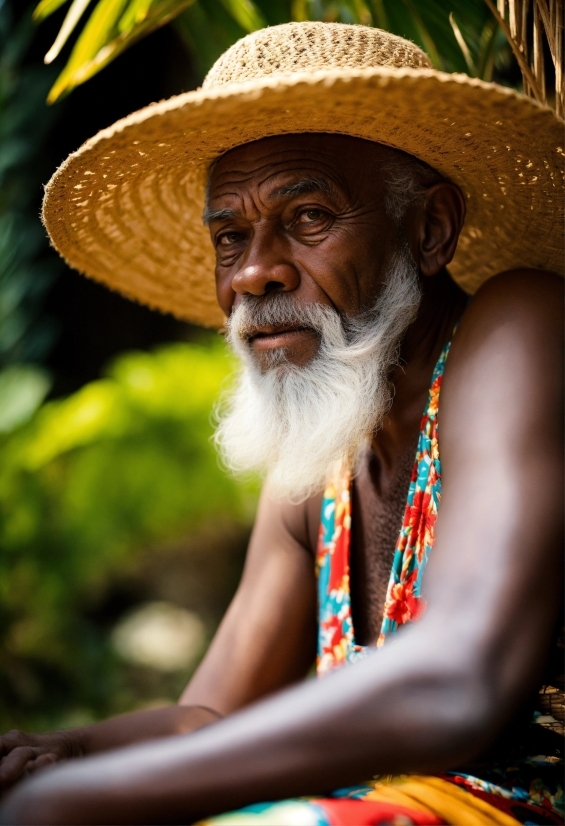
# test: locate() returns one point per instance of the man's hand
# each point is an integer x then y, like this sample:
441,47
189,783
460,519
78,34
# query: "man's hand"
22,753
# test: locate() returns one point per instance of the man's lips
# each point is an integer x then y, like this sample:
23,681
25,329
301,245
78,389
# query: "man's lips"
268,338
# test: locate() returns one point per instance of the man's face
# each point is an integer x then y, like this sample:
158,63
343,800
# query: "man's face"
301,214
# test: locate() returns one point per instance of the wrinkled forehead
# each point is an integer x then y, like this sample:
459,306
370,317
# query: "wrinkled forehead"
343,159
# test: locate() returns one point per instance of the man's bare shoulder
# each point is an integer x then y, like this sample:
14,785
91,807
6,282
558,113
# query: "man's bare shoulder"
283,523
519,300
504,372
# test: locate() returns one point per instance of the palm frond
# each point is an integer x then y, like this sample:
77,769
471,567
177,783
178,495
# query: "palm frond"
546,23
380,17
461,35
463,46
114,25
425,35
47,7
78,7
207,30
135,14
245,13
487,49
96,35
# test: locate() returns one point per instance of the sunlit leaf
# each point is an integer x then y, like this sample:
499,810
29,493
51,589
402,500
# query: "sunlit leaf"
363,13
463,46
300,10
135,13
207,30
96,33
47,7
100,41
23,388
485,58
380,17
425,35
209,27
246,13
77,9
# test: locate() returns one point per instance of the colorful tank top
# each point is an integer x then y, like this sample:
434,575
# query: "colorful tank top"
336,638
524,786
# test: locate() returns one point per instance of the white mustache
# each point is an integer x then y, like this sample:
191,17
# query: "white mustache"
254,314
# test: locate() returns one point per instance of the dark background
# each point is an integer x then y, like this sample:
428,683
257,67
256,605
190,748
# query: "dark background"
89,323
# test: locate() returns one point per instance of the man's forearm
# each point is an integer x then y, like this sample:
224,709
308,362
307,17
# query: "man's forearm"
138,726
306,740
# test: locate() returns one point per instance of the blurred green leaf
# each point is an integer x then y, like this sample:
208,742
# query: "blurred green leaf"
463,46
425,36
23,388
25,273
207,30
488,49
47,7
135,13
96,34
246,13
101,41
88,485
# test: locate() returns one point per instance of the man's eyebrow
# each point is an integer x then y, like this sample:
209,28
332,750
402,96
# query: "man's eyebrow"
303,187
210,215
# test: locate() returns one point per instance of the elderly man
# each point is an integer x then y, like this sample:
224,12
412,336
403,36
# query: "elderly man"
331,245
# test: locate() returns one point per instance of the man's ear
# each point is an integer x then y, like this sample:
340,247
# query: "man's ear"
439,222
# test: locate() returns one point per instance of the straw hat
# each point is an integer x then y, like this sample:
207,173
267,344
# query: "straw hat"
125,209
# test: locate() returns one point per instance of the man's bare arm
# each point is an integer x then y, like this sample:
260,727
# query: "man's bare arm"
266,641
443,688
499,539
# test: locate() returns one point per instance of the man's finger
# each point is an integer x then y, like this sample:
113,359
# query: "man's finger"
13,765
13,739
40,762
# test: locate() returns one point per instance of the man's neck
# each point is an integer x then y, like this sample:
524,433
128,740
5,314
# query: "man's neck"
442,304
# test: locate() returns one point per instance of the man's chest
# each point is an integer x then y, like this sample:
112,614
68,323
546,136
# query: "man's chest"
377,510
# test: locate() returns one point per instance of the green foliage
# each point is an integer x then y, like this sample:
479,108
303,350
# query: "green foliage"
123,464
207,29
460,35
24,123
22,389
114,25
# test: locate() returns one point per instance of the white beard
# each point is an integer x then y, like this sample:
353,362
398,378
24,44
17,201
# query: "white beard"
293,422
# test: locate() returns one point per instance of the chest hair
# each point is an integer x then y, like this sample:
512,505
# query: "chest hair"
377,513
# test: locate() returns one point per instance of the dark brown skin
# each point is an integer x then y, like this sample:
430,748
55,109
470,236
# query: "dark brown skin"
442,690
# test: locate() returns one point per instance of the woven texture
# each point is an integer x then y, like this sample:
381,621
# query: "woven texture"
126,208
312,47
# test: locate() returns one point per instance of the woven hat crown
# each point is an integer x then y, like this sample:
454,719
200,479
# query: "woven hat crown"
308,47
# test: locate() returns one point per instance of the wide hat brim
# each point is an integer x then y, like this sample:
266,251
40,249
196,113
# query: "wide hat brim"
126,208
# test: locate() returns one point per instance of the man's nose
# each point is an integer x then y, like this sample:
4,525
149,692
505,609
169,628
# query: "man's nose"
265,267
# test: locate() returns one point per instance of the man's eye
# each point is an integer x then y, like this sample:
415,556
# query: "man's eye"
228,239
309,216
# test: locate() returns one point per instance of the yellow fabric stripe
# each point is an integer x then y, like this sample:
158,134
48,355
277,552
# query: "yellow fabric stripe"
390,793
442,798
